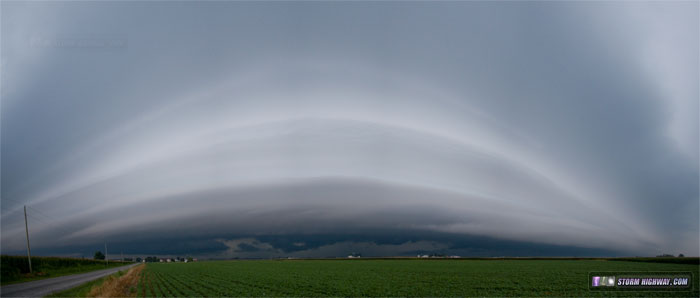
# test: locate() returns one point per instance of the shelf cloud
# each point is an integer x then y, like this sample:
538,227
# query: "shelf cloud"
324,129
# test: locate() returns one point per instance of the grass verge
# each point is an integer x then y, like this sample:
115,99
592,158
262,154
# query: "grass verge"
119,284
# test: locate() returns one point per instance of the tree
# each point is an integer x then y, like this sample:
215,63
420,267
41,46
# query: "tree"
99,255
680,255
138,260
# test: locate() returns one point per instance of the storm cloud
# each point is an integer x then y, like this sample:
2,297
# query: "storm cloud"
321,129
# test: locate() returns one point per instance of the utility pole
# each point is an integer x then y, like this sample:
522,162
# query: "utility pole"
105,253
26,230
122,256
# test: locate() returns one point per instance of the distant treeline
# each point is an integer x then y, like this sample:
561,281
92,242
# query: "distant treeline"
150,259
16,268
157,259
673,260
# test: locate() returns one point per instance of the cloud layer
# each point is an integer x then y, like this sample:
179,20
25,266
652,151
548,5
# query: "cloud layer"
569,125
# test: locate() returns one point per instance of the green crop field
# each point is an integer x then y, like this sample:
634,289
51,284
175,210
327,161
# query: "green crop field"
391,278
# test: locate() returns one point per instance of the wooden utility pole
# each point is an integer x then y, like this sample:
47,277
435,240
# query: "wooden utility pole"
105,253
26,230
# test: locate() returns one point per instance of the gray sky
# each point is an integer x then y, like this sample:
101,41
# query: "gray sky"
318,128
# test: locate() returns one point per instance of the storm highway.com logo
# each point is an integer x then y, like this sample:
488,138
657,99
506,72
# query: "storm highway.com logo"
637,281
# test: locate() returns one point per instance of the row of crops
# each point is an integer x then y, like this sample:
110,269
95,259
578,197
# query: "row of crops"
383,277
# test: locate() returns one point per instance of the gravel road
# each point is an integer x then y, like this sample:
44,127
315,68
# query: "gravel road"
40,288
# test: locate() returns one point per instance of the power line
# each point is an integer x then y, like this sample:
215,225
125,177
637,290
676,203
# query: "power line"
54,225
55,221
19,203
50,221
42,213
32,208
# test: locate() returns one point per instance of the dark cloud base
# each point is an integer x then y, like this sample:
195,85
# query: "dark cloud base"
292,245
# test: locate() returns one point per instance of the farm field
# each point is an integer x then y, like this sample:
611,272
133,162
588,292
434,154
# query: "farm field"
391,278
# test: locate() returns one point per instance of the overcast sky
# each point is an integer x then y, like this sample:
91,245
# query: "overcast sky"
236,129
